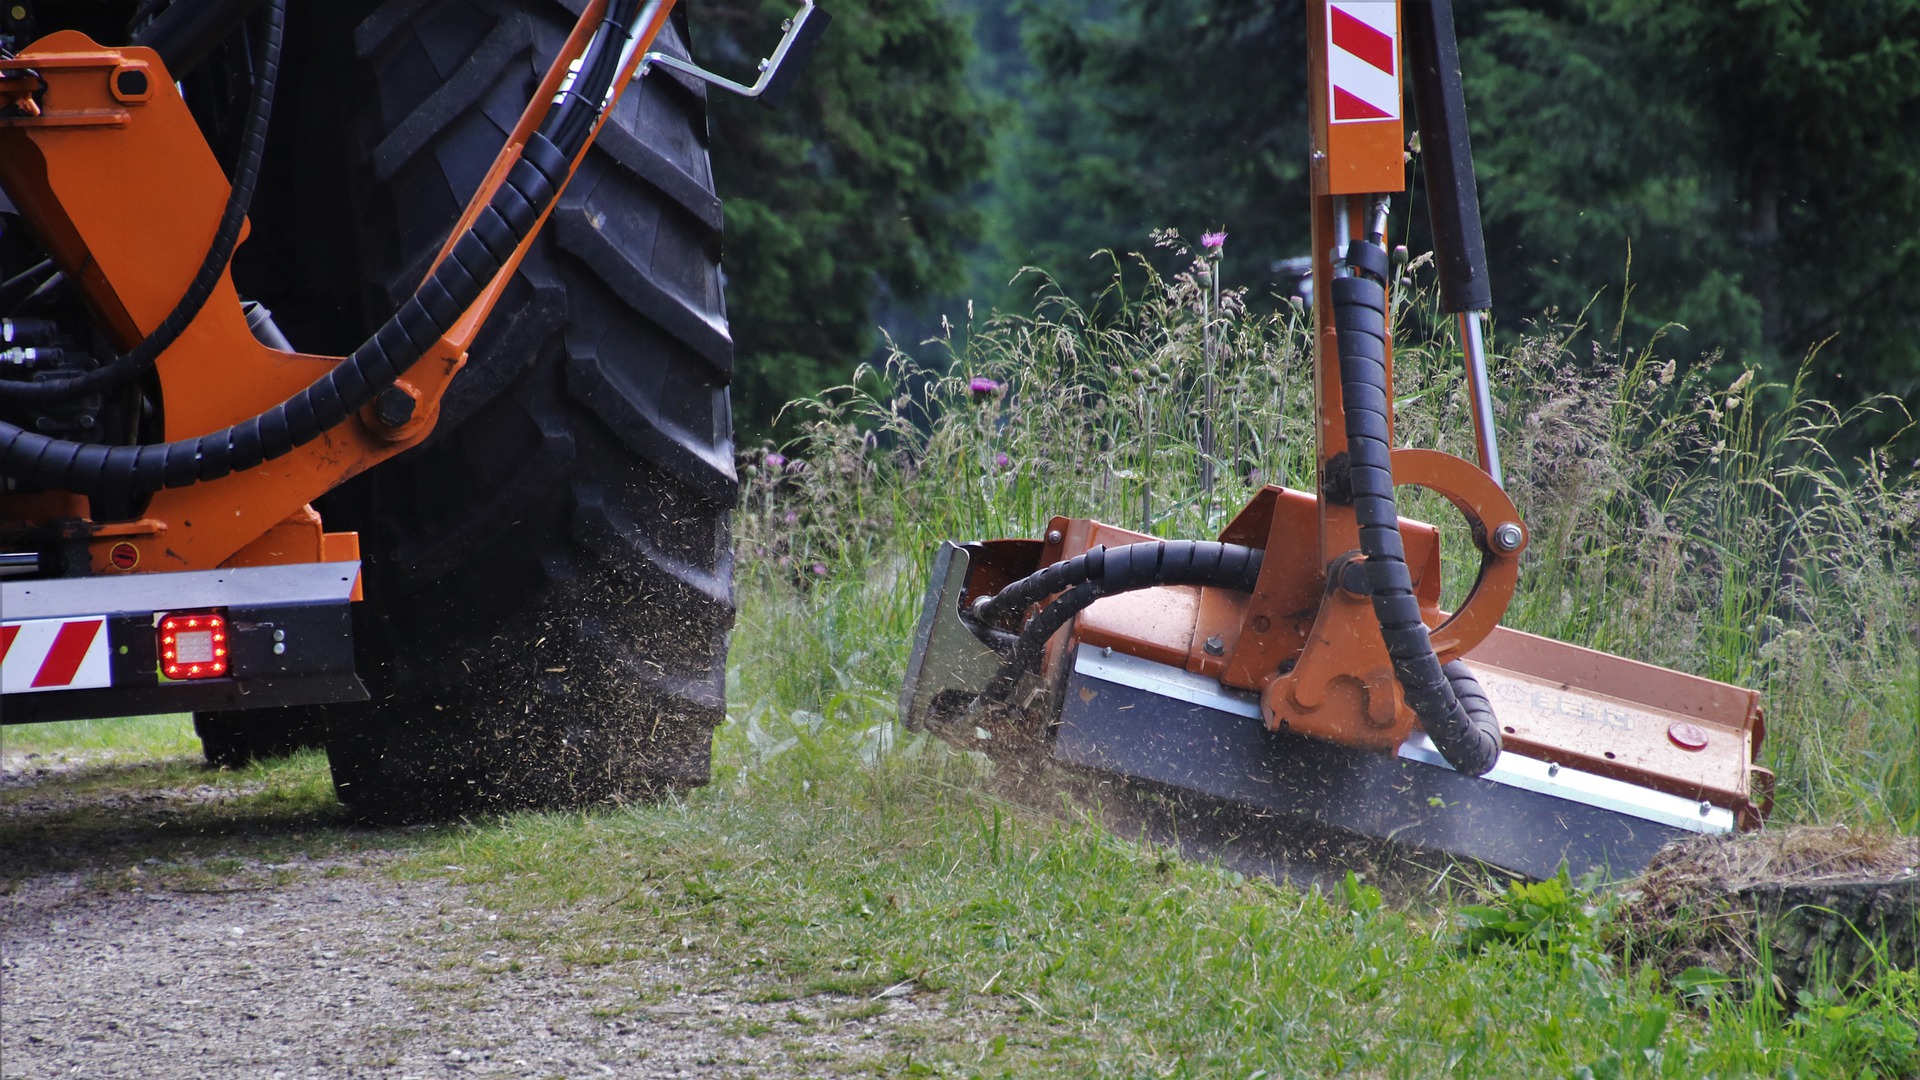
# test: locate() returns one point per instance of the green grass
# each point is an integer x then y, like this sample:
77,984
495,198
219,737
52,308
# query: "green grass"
1056,949
135,736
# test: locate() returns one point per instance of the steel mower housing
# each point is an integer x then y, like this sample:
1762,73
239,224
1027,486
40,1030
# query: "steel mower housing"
1299,670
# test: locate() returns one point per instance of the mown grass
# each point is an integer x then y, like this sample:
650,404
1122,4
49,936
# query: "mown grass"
1057,949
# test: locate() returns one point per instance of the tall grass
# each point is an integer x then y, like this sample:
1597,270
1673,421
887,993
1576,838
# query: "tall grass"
1710,526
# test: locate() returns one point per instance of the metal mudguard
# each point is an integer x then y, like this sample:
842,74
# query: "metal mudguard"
948,664
290,642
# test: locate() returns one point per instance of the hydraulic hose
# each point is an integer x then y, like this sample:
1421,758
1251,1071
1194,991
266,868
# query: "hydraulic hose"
1448,701
246,173
1103,571
530,186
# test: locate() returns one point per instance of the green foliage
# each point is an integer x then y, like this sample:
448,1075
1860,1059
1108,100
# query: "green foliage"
1758,157
1748,170
1144,113
852,190
1548,915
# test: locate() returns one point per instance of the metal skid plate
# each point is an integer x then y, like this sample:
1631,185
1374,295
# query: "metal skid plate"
1145,721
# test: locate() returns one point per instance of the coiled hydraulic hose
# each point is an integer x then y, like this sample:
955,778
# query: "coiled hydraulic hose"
454,285
1103,571
246,172
1448,701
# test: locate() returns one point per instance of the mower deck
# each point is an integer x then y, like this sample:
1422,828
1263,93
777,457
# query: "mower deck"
1148,722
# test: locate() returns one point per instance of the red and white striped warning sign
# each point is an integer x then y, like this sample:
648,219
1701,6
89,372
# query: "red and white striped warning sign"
1363,60
54,654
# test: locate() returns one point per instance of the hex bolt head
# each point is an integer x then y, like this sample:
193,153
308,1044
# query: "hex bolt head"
1053,536
393,407
1507,536
1215,646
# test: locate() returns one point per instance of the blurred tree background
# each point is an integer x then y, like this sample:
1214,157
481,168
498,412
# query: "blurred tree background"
1748,169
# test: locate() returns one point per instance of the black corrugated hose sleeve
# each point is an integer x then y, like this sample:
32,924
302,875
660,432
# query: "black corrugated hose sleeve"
1461,725
351,384
246,172
1110,571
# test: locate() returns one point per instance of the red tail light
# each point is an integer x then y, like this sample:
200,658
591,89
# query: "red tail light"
193,645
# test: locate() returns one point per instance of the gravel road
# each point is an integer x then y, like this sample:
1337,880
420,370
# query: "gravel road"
329,967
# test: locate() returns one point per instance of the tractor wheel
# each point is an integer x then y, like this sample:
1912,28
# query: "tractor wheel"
234,740
549,577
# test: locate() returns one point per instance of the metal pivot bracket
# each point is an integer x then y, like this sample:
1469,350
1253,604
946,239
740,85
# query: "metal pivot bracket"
777,72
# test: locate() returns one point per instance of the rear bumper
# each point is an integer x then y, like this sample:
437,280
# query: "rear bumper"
83,648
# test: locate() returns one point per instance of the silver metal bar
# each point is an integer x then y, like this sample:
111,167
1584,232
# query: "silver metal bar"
1381,204
1342,236
768,67
1473,344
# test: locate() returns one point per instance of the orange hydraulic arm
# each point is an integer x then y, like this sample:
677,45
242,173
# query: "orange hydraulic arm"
99,152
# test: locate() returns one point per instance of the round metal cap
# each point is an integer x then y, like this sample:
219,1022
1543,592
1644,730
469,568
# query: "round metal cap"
1688,736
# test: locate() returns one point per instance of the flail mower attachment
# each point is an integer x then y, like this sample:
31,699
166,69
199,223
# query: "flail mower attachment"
1299,671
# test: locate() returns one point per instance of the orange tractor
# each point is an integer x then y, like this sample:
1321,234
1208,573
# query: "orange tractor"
449,435
1298,675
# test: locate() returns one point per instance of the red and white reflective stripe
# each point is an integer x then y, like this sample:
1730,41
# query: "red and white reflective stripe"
1363,60
54,654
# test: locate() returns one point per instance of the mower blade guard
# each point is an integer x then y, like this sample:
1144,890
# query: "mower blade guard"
949,666
1592,779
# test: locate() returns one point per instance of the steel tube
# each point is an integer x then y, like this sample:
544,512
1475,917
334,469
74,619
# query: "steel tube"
1473,344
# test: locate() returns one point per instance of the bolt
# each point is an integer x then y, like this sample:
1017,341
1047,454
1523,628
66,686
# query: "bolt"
1553,769
393,407
279,635
1053,536
1507,536
1262,624
279,647
1215,646
1108,651
1705,808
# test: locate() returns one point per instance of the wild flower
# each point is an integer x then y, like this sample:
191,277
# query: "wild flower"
1213,242
983,388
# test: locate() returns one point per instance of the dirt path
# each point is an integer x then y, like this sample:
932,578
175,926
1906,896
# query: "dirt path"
330,967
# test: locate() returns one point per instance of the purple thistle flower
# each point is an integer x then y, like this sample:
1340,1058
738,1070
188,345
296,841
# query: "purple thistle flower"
819,569
792,518
982,387
776,461
1213,241
1002,461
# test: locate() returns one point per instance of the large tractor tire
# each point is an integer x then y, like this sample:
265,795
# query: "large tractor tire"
549,577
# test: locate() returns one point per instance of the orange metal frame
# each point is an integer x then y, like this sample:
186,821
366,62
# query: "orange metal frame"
1312,648
124,192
